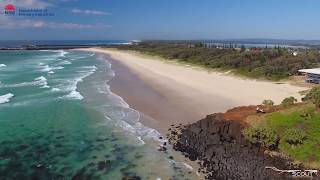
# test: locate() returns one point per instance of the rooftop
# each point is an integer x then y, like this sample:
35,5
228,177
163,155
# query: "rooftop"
310,71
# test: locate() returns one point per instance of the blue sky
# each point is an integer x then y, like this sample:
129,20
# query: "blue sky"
164,19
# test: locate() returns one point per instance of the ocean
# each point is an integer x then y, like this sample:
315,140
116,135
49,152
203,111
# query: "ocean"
59,120
21,43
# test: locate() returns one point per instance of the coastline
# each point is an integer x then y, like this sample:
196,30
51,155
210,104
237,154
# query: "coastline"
152,106
174,94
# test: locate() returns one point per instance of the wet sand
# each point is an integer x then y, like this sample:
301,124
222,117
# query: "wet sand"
157,111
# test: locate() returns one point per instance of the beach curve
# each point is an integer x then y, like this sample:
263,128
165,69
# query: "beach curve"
191,90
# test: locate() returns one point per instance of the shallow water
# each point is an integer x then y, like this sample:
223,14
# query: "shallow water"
58,119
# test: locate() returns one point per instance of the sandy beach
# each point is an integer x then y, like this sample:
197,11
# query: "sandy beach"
170,93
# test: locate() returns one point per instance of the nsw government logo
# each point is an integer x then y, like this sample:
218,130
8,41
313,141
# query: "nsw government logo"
10,10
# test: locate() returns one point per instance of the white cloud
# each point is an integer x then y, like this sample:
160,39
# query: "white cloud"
27,3
89,12
54,25
11,23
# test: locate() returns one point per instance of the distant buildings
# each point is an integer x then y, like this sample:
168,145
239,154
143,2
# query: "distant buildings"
135,42
312,75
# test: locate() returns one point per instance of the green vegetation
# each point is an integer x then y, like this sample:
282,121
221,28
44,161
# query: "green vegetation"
314,96
294,136
263,136
294,131
274,64
289,101
268,102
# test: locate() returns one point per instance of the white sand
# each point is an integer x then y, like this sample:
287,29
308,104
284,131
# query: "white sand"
198,90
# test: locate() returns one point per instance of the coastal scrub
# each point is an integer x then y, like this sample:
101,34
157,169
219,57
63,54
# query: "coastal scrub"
297,132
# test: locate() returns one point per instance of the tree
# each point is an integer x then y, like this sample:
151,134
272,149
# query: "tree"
314,96
199,45
268,102
288,101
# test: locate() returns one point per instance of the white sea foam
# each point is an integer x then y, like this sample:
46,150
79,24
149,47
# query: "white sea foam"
63,53
3,65
133,126
16,85
72,87
119,100
140,139
74,95
6,98
42,81
47,68
65,63
55,89
57,68
82,56
41,78
129,119
39,81
51,72
102,89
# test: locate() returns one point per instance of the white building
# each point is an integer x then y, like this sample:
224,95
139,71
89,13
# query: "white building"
312,75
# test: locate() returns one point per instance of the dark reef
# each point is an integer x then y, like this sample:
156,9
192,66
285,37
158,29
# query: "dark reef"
224,153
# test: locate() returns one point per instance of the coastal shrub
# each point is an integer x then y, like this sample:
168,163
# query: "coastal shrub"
289,101
297,128
268,102
307,114
314,96
294,136
263,136
275,64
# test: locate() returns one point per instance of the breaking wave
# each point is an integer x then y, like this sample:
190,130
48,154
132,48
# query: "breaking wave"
127,118
42,81
72,87
39,81
65,63
6,98
47,68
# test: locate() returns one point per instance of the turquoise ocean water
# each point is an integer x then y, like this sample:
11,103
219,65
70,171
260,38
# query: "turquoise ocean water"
59,120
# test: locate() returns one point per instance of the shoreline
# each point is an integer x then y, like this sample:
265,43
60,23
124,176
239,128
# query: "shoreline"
169,94
131,88
124,76
165,103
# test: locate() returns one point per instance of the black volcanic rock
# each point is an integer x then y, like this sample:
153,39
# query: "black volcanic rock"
224,151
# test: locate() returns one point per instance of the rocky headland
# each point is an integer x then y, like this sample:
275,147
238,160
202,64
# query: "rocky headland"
223,152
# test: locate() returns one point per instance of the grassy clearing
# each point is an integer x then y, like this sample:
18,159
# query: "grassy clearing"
297,129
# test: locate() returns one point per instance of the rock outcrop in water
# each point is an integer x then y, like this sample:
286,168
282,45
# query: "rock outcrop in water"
224,153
